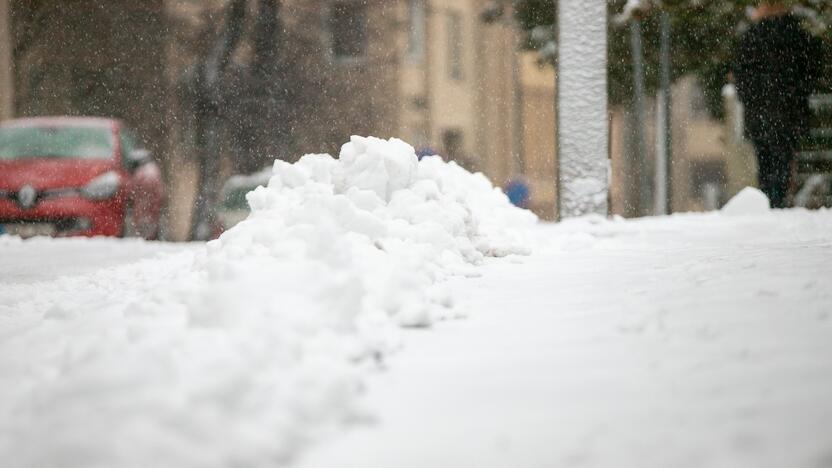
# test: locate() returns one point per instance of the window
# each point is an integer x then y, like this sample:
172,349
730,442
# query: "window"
55,142
416,29
128,143
236,199
454,32
348,29
452,143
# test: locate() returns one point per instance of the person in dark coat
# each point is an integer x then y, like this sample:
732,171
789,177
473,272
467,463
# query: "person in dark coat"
776,67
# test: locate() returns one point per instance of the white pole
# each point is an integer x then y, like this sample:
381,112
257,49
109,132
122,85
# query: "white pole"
582,108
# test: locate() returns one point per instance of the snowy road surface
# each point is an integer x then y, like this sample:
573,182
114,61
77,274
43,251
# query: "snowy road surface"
697,341
42,259
692,341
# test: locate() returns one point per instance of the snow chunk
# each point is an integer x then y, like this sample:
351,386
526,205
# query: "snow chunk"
240,354
382,166
749,201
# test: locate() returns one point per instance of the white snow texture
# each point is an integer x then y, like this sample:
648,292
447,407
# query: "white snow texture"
240,353
749,201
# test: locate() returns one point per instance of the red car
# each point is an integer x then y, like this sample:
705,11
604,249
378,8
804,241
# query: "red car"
76,176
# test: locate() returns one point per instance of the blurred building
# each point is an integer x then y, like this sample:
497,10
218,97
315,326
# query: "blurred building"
431,72
711,162
467,93
89,58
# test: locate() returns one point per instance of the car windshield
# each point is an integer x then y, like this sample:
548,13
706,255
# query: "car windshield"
55,142
235,199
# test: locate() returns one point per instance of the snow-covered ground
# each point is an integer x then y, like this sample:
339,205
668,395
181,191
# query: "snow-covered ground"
43,259
688,341
692,340
698,340
43,275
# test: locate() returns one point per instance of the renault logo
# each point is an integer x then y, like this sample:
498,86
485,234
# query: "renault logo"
26,196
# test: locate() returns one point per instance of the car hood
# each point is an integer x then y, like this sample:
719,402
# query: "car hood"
45,174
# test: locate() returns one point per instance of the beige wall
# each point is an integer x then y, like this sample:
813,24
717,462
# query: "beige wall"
699,143
499,84
6,71
414,76
619,198
451,101
697,140
503,105
539,145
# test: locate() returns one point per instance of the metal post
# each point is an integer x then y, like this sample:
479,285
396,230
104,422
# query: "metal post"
583,144
517,83
662,199
640,159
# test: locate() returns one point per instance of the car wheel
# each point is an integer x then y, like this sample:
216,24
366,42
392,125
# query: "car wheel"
149,231
145,229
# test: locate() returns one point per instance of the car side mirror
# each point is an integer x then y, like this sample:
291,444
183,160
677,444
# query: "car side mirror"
137,157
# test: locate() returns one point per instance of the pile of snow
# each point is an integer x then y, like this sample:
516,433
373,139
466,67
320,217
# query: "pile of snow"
749,201
242,353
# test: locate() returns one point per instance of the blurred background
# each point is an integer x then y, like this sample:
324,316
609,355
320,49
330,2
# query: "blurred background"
217,89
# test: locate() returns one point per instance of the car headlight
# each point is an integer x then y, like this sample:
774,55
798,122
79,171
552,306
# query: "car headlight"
102,187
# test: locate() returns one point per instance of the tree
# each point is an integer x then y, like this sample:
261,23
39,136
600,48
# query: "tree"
207,92
704,34
704,38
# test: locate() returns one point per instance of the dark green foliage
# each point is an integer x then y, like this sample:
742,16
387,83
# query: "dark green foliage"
704,36
532,13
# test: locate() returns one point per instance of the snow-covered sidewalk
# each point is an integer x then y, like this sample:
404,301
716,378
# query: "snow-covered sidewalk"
694,340
690,341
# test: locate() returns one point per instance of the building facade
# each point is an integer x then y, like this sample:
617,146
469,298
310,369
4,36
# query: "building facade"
430,72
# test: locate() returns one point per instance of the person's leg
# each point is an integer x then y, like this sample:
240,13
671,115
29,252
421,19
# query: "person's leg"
779,183
774,155
783,151
767,173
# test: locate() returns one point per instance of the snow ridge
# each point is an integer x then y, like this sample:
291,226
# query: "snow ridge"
259,344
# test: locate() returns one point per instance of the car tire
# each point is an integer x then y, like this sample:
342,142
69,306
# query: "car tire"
149,231
145,230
